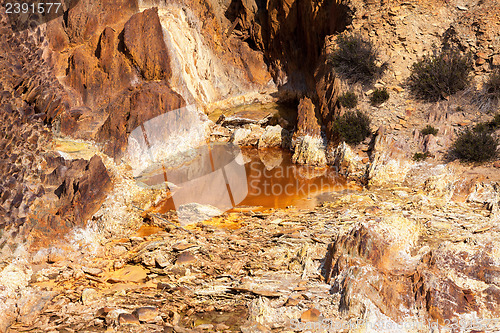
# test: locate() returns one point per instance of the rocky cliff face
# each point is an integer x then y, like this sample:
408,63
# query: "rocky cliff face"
43,197
209,65
295,38
291,34
113,60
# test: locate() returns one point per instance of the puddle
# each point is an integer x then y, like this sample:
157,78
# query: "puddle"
231,320
273,181
73,149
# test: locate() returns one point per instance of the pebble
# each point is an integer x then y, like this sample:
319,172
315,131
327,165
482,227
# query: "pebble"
146,314
127,318
205,327
92,271
310,315
185,258
88,296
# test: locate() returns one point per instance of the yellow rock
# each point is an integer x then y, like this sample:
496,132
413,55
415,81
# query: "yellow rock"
128,274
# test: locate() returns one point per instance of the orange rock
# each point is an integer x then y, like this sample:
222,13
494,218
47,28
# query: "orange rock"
310,315
307,123
482,55
143,40
495,60
127,318
128,274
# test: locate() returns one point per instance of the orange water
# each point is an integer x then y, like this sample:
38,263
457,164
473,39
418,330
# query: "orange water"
275,182
286,184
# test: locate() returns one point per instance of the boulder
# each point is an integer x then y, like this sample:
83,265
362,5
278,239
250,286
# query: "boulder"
247,136
239,136
307,123
347,162
273,136
271,158
309,150
386,270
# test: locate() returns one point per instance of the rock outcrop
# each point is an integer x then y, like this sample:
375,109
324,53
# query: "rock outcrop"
385,267
131,109
143,43
291,34
273,136
309,146
347,162
32,98
209,64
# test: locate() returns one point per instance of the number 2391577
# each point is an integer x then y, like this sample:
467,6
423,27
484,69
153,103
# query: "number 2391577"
39,8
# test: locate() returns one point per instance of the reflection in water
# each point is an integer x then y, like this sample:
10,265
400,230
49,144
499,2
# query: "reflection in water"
275,182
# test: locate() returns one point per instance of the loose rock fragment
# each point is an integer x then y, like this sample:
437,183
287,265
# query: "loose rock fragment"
146,314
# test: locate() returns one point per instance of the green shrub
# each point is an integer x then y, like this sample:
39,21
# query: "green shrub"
420,156
475,146
492,86
379,96
429,130
496,120
356,59
437,76
348,100
482,127
489,126
353,127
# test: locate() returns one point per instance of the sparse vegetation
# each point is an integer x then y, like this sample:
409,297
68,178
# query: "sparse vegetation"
437,76
353,127
496,121
489,126
356,59
379,96
429,130
492,87
348,100
475,146
421,156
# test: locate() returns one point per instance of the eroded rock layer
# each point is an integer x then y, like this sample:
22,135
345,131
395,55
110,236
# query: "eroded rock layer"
42,195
